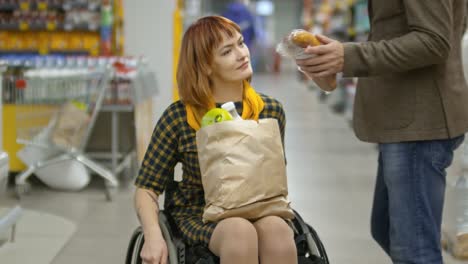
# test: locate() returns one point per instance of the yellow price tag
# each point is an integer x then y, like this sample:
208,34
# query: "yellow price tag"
51,26
42,6
23,26
24,6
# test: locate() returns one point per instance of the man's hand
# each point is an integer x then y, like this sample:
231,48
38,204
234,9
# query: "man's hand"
328,59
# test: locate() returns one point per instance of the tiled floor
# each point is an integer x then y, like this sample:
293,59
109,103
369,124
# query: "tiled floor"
41,235
331,177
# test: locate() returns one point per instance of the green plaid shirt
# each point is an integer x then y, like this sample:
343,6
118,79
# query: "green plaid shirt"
174,141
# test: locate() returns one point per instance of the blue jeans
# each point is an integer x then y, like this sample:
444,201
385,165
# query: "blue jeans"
409,198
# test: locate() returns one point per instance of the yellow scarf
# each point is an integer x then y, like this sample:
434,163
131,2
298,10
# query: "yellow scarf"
252,105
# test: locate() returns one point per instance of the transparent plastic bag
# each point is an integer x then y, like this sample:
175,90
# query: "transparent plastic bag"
288,48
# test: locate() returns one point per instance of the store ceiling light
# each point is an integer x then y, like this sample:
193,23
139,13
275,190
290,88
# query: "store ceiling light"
265,8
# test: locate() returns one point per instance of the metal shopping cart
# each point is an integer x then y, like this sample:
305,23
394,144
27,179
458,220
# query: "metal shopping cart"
56,111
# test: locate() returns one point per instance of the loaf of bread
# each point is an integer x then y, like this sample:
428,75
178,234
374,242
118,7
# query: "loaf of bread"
303,39
293,46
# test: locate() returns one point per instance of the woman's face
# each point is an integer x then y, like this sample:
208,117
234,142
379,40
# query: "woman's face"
231,60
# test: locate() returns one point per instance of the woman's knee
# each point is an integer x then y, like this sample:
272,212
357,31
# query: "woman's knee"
275,236
234,237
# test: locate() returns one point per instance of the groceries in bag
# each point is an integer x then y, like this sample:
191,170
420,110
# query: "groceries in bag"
231,108
215,115
243,170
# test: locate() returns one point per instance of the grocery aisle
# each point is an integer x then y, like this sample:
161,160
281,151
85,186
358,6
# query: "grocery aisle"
330,172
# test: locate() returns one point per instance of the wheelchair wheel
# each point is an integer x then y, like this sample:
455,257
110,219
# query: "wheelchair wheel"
309,246
134,247
175,252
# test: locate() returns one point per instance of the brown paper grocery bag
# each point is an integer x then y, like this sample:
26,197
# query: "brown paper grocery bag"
243,170
71,126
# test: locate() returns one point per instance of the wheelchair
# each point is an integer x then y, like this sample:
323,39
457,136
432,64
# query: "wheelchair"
310,249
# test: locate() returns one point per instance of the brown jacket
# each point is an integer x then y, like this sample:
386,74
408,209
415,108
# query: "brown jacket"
412,85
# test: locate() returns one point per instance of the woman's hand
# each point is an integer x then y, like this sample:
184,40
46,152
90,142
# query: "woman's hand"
154,251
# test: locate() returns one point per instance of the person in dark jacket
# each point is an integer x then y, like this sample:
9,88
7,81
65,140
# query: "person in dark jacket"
412,99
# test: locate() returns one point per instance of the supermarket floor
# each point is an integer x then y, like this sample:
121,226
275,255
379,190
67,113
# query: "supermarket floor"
331,177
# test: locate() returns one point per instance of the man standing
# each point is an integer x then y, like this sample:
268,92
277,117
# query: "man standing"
412,99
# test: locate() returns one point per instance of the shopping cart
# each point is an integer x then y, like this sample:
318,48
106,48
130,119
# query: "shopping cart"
56,111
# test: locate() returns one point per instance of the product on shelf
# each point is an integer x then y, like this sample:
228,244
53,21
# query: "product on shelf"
88,24
106,28
29,70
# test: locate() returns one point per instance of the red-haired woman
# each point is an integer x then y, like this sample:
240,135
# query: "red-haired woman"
214,68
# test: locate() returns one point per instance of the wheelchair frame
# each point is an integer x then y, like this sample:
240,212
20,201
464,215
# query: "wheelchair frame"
309,246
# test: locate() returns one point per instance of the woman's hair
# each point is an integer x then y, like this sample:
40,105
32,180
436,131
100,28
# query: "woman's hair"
196,58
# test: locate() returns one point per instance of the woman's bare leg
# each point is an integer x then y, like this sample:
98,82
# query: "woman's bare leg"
234,240
275,241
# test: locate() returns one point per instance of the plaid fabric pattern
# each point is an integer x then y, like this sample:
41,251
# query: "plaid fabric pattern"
174,141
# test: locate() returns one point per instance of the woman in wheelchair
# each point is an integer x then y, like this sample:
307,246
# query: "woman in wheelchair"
214,68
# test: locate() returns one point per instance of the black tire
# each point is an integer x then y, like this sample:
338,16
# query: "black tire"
134,247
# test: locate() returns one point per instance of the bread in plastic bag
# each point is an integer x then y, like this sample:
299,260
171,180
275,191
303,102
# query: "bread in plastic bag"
293,46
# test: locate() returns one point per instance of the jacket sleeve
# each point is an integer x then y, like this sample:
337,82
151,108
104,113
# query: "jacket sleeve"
427,43
465,20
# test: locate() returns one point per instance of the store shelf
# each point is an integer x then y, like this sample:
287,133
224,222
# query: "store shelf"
90,7
82,27
117,108
8,7
46,6
49,27
46,27
51,52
